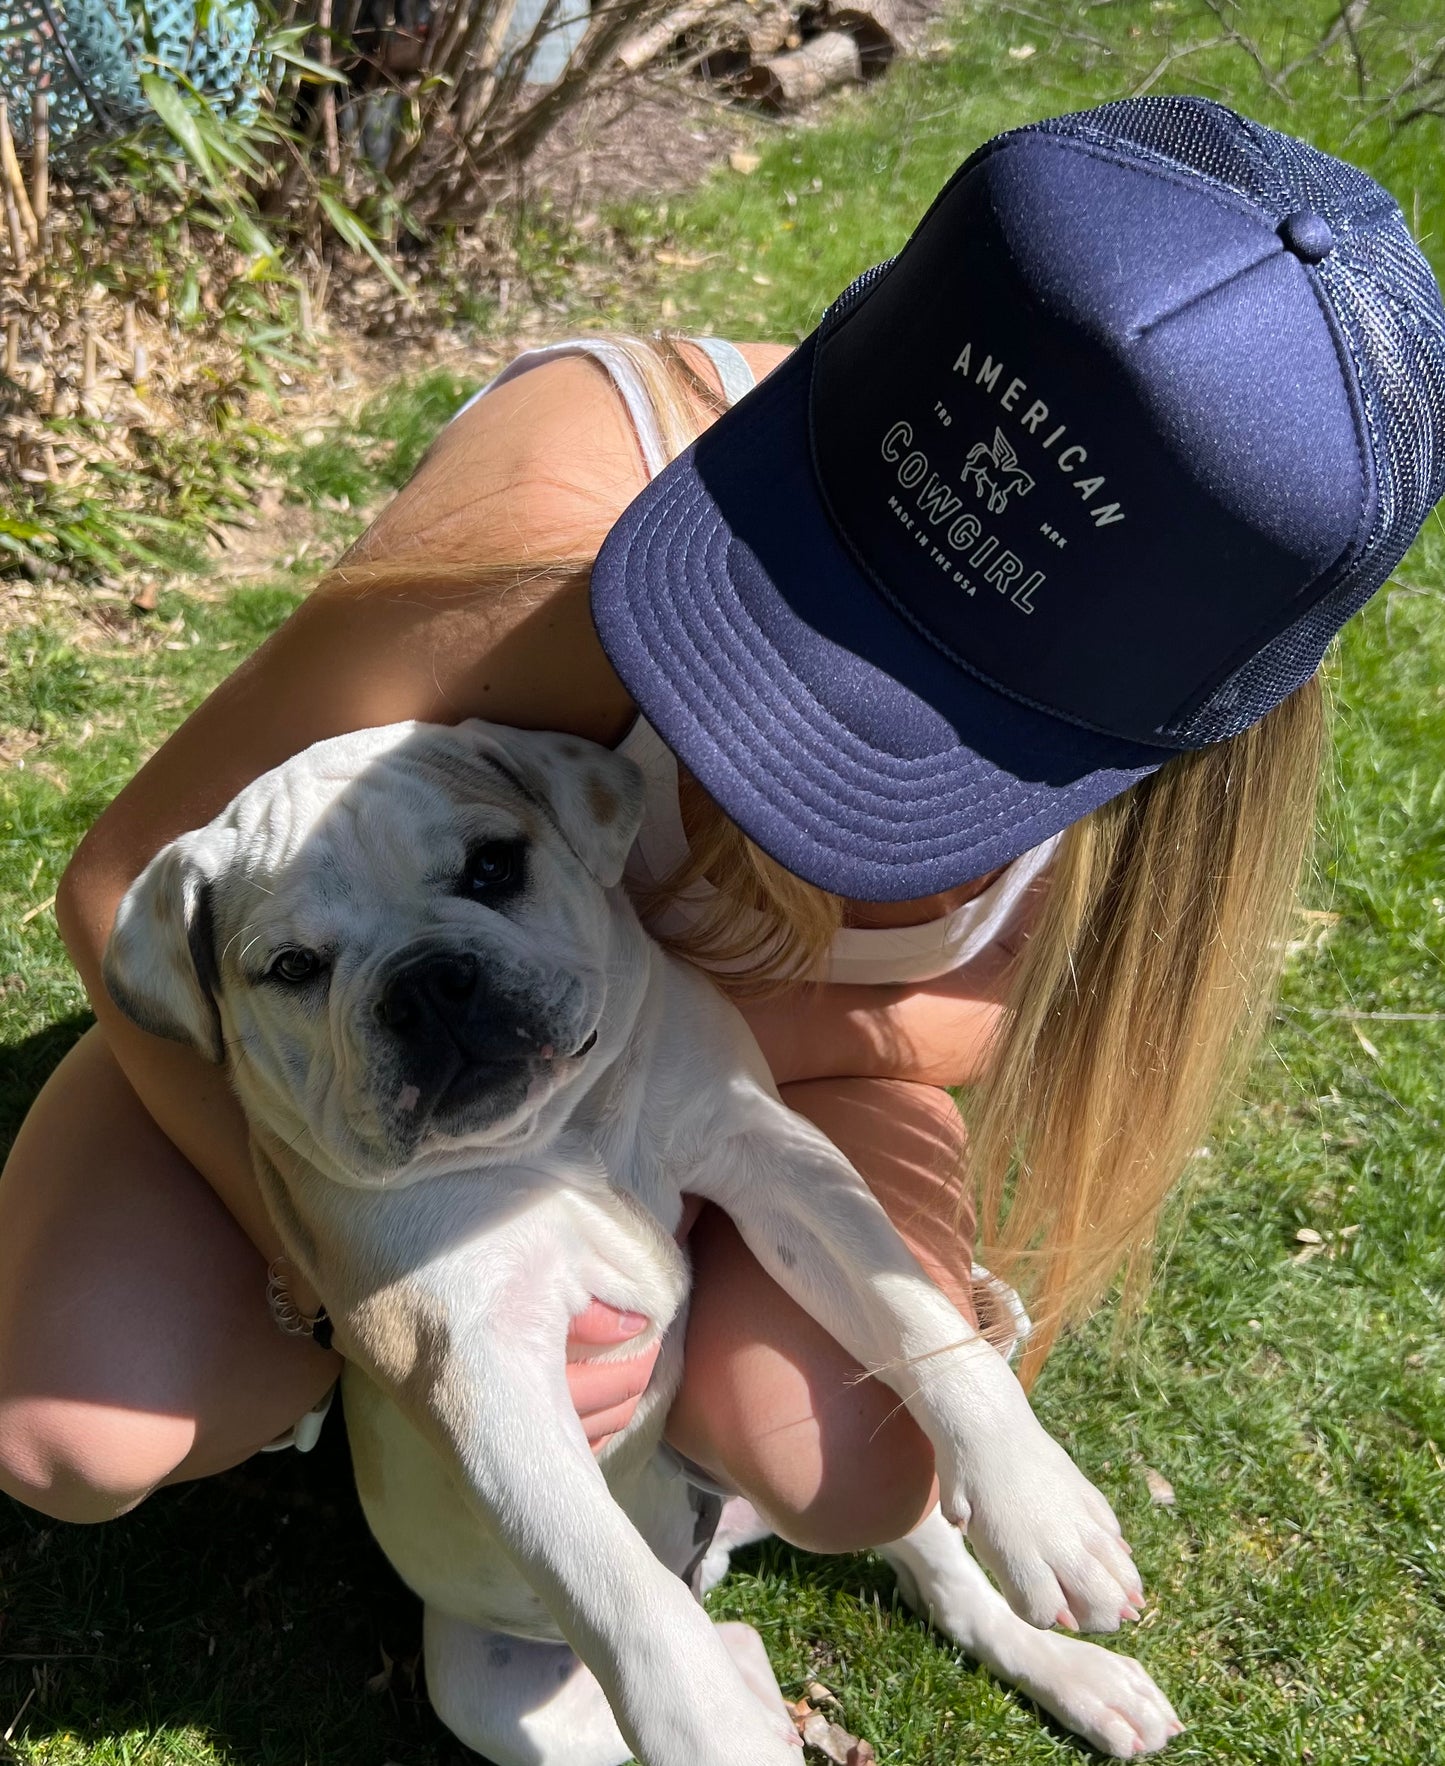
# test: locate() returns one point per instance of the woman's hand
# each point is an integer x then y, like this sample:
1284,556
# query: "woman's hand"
605,1393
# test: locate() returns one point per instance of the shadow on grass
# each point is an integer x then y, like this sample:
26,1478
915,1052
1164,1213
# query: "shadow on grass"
27,1063
245,1618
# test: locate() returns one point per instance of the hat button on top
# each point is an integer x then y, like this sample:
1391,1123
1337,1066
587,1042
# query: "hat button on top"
1308,235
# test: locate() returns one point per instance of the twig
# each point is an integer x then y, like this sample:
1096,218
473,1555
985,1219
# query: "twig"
14,1723
56,1656
1173,56
1052,24
607,29
1352,13
1251,49
12,347
1350,1016
1428,69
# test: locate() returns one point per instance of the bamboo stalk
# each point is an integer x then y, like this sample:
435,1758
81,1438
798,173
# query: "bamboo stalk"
331,143
446,26
40,157
476,103
87,372
496,97
14,180
16,231
479,40
303,310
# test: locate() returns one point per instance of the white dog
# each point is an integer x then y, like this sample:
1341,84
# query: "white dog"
477,1093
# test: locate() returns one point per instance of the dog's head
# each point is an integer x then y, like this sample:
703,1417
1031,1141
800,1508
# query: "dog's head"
407,942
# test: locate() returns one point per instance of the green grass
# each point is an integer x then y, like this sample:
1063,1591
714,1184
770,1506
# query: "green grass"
1296,1403
378,450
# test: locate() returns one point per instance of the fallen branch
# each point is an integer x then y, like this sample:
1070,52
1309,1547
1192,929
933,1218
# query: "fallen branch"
876,26
647,46
828,61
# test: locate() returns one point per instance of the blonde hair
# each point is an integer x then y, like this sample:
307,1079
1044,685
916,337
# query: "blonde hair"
1142,990
1142,993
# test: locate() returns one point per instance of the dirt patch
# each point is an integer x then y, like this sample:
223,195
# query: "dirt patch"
656,139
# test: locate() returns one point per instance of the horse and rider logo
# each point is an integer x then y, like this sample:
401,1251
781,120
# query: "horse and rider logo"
996,472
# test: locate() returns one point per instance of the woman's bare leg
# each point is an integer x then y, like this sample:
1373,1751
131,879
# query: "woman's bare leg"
136,1348
769,1402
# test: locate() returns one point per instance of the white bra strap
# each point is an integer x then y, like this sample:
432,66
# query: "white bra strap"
732,367
623,376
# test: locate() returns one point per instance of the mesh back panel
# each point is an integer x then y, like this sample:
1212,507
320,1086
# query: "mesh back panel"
1386,303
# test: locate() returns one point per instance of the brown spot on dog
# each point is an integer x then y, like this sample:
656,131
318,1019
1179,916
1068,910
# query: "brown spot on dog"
602,800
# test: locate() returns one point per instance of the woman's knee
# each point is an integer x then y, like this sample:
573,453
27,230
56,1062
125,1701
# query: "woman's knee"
86,1462
768,1399
870,1486
772,1404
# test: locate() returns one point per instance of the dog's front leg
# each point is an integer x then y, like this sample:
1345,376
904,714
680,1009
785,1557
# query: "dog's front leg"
489,1390
1040,1526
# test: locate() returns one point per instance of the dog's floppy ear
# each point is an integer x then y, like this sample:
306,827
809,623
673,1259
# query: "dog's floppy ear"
594,795
160,964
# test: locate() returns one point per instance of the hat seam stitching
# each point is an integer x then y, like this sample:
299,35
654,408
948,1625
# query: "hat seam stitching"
813,814
1323,582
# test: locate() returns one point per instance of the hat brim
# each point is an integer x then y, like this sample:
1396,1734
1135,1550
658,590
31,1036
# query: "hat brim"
828,727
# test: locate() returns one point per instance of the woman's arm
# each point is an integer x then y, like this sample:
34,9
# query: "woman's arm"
539,470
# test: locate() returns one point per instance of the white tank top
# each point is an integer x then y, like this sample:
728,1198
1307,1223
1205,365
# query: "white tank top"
896,954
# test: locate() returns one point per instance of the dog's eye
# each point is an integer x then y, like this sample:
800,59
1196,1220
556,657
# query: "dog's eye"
493,868
295,966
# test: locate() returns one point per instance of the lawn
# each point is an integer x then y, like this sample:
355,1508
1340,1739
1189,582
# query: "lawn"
1288,1375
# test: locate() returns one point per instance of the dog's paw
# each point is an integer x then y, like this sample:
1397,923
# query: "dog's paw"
1107,1699
1048,1537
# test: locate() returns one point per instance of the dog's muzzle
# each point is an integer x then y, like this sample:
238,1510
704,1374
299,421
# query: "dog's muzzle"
466,1039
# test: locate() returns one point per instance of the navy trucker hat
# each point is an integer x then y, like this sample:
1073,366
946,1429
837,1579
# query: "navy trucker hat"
1090,473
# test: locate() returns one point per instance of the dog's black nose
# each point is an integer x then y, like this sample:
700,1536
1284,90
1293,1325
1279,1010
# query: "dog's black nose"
440,986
